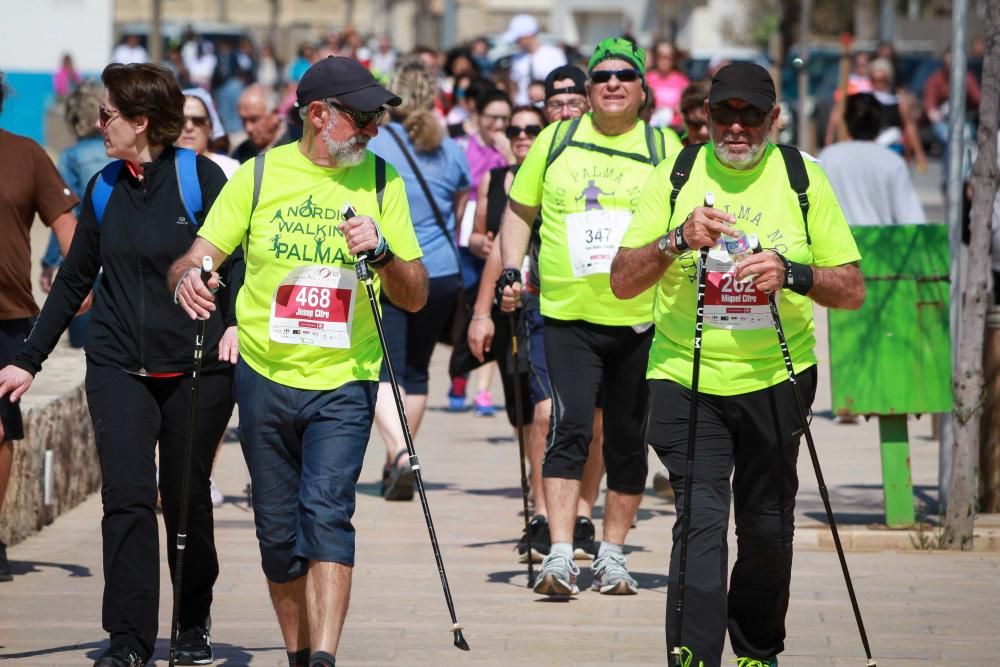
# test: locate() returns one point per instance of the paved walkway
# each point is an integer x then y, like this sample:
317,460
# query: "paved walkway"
921,607
931,608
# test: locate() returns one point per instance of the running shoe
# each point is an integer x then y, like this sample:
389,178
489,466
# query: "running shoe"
5,572
661,484
611,576
540,541
456,395
399,483
213,489
120,655
484,404
194,646
557,576
754,662
584,546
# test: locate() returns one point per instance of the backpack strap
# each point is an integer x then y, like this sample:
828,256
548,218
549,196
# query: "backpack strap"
681,172
798,178
258,180
556,150
380,178
186,166
103,185
654,155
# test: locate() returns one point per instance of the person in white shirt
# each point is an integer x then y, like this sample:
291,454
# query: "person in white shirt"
130,50
872,182
535,61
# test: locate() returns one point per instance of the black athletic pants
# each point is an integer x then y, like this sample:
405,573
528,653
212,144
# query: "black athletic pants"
131,414
585,359
757,435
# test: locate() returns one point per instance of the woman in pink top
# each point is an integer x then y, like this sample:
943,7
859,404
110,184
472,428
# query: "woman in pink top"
66,78
667,82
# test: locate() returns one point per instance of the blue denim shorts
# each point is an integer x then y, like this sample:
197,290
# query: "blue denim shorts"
541,389
304,450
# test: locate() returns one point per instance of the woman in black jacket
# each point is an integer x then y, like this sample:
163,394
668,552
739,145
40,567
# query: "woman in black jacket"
139,359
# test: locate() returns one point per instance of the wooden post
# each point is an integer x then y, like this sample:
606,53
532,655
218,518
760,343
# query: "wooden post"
989,452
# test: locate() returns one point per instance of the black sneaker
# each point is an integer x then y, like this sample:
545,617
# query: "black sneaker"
541,542
194,646
584,546
120,655
5,573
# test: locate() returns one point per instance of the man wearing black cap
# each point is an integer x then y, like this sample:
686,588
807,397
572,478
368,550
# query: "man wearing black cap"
566,94
308,374
585,176
747,419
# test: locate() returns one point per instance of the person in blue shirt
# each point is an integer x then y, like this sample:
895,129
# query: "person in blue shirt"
77,164
437,180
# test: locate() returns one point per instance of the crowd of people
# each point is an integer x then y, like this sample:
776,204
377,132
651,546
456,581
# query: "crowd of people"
564,202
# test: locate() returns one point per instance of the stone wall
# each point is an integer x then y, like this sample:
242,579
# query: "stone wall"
63,425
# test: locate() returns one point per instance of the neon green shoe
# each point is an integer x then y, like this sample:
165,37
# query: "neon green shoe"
754,662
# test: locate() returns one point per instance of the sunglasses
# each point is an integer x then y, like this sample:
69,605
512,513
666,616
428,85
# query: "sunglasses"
623,75
105,115
197,121
361,119
514,131
749,116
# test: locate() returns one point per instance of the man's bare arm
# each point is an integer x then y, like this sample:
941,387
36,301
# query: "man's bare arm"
405,283
838,286
635,270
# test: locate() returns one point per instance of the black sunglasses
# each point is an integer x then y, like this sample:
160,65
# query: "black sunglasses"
361,119
514,131
727,115
623,75
197,121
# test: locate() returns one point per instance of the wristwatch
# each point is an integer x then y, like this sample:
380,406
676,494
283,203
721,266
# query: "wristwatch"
665,247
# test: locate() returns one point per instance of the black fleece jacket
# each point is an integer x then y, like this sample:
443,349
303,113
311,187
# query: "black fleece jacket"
135,324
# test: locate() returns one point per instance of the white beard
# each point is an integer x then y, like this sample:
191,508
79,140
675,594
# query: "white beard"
347,153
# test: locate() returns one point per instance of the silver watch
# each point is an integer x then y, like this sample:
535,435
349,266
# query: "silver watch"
663,245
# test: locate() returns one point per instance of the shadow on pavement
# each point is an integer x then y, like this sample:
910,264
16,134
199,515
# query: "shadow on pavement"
19,567
518,578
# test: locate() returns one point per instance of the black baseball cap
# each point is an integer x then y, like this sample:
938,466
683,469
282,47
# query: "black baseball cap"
562,72
743,81
347,80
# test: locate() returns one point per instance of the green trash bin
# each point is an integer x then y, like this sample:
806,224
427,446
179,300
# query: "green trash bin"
892,357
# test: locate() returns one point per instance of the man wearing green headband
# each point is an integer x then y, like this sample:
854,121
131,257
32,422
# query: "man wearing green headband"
585,175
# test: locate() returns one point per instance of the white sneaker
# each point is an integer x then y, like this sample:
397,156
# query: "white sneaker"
557,576
611,576
216,493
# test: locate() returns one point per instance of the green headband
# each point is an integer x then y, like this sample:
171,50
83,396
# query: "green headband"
619,48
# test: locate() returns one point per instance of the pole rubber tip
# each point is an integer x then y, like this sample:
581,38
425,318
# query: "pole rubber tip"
459,638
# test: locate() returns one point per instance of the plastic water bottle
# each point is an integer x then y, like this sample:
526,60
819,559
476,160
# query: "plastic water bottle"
740,247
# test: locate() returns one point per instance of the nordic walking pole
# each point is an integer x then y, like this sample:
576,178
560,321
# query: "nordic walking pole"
365,276
519,425
800,405
692,435
199,344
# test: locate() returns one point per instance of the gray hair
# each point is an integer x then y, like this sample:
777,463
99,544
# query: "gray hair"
82,108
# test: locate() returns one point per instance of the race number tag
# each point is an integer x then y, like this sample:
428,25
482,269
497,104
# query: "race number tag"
593,239
314,305
729,303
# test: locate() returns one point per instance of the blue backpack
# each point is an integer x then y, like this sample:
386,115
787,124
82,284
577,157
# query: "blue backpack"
185,164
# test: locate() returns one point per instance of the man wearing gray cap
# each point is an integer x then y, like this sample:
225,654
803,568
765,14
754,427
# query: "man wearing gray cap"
310,355
747,420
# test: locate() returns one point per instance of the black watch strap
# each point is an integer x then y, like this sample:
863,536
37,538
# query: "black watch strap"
679,243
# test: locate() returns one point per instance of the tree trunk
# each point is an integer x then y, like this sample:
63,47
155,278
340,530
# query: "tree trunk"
967,382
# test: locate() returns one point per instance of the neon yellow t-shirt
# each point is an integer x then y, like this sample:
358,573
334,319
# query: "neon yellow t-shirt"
738,361
587,200
294,229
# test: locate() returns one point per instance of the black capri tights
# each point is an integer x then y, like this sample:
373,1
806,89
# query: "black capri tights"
583,360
